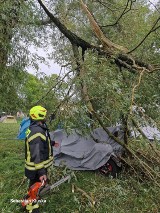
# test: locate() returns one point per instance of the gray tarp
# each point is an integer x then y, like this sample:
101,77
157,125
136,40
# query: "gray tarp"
82,152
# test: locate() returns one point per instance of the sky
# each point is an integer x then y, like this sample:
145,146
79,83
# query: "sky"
52,68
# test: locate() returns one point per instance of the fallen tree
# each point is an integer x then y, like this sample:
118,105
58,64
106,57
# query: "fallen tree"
122,58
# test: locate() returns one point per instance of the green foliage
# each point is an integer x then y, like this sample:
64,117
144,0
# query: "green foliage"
125,194
110,88
33,91
17,33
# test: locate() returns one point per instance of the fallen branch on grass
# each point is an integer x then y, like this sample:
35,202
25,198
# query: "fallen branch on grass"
74,187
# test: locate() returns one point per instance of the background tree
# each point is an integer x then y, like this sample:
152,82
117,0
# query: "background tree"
110,52
19,21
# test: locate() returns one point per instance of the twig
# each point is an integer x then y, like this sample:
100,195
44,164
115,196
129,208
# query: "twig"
151,145
23,180
123,159
53,86
125,10
151,30
74,187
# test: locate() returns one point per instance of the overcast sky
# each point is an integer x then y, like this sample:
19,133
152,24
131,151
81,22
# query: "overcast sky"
53,67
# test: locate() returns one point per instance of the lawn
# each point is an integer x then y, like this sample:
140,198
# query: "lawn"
121,195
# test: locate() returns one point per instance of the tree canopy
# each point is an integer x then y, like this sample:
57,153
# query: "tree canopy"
110,53
111,50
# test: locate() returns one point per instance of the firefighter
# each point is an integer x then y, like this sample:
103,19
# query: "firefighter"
38,151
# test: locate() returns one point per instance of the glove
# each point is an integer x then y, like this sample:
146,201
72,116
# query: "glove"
55,143
52,143
43,178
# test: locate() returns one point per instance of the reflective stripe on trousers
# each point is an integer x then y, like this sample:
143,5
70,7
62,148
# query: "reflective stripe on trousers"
31,206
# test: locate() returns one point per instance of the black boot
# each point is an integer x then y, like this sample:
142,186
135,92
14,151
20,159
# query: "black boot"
36,211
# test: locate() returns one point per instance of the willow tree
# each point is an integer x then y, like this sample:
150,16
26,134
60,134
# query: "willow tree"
114,57
112,50
109,50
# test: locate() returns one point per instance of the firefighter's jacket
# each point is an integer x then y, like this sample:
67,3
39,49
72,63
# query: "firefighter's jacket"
38,151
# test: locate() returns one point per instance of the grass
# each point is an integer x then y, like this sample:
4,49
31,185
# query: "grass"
122,195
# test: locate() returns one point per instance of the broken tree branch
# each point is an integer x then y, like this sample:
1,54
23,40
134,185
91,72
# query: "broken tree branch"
109,45
110,50
150,173
133,90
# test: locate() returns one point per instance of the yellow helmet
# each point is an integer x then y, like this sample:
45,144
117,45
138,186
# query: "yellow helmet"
38,113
